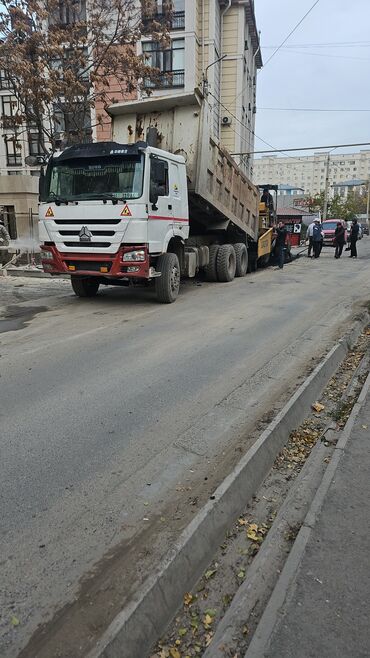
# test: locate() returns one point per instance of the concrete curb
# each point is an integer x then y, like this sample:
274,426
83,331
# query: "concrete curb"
271,616
138,626
262,574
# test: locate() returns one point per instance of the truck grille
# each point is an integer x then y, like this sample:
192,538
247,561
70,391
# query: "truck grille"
106,233
87,245
88,266
73,222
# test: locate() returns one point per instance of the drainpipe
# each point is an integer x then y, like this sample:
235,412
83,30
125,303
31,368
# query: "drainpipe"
224,11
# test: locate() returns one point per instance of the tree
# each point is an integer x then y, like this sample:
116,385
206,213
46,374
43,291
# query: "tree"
60,57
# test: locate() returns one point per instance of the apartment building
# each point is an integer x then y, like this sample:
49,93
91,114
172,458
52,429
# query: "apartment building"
309,172
201,32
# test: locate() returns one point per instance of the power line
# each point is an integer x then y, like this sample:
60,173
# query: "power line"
291,32
244,125
306,148
309,109
326,55
330,44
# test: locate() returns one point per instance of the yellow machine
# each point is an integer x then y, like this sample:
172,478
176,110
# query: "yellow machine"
266,221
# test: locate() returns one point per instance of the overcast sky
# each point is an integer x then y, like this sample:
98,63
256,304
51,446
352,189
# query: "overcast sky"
332,78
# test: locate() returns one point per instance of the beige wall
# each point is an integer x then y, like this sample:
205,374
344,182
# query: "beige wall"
22,193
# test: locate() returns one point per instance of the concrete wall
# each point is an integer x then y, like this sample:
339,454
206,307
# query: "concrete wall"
22,193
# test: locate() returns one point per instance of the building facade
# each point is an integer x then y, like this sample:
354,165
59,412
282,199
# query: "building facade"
309,172
201,33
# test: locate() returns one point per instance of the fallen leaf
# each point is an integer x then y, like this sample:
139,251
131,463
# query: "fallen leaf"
211,612
364,427
182,631
241,574
242,522
317,406
207,621
188,598
174,653
14,621
209,574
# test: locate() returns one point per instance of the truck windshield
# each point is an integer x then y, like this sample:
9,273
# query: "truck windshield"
95,178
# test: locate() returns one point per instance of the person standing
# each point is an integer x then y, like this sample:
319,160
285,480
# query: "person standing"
309,238
281,235
317,238
339,239
353,237
4,242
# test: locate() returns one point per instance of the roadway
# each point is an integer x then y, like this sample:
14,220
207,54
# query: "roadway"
120,416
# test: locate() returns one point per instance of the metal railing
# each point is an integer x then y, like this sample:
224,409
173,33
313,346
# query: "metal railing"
175,20
166,80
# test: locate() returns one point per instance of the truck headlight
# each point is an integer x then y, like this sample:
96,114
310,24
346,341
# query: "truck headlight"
134,256
47,255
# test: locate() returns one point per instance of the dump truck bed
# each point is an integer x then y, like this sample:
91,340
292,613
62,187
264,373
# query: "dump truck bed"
219,191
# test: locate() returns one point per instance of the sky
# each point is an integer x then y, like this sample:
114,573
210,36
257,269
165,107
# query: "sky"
335,77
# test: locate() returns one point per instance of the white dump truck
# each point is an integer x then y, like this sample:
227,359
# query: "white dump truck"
160,202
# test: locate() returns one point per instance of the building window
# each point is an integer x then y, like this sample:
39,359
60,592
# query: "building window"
8,105
170,63
4,80
174,17
13,153
35,144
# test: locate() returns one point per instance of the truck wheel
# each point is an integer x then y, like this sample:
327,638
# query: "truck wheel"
167,285
241,254
84,286
211,269
226,263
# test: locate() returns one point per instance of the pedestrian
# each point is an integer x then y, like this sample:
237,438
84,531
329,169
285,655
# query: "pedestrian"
317,238
267,199
281,235
353,237
4,242
309,238
339,239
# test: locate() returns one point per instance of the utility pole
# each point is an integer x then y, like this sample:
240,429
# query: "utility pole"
326,195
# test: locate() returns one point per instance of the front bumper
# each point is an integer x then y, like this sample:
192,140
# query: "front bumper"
106,265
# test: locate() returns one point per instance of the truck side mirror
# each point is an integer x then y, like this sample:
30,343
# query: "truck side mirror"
153,196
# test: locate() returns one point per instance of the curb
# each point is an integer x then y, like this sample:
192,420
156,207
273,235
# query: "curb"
136,628
271,616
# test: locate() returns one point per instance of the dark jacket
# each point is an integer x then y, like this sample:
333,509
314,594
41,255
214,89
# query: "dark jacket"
340,235
354,232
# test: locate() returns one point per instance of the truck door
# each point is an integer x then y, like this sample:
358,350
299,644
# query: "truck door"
160,219
177,200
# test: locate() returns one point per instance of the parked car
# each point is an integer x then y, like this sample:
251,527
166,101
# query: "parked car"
365,229
328,229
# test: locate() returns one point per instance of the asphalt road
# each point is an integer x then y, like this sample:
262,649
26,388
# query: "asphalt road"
114,410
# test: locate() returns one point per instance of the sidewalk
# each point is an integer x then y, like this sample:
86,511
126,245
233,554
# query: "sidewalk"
320,607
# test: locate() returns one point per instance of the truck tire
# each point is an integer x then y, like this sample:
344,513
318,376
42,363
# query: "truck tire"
167,285
241,254
226,263
84,286
211,269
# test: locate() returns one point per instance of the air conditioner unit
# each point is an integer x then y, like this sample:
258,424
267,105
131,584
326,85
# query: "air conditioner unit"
226,121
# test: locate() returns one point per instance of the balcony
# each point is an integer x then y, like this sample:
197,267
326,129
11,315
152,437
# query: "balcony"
175,20
167,80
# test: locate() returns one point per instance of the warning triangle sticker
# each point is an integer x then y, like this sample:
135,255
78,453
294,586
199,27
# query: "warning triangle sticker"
49,212
126,212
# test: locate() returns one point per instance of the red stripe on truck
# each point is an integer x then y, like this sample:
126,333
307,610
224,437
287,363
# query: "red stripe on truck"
173,219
